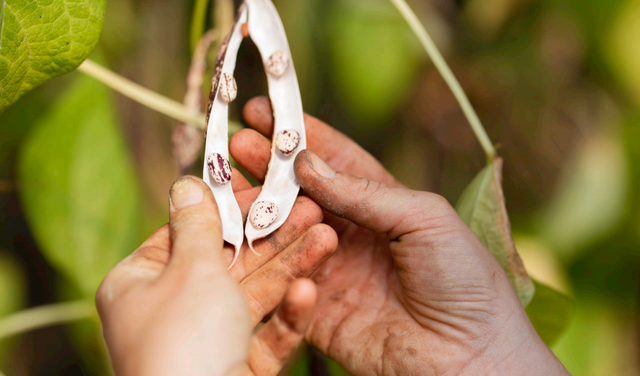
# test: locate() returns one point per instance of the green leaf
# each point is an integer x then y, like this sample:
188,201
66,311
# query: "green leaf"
550,312
78,187
375,58
483,209
43,39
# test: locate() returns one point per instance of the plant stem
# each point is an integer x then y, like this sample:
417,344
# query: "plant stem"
141,94
198,20
450,79
44,316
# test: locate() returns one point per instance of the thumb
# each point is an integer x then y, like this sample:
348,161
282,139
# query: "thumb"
195,226
376,206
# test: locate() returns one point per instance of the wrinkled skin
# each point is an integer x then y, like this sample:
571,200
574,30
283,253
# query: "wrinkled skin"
410,290
173,308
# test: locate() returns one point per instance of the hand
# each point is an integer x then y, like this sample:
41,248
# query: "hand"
172,308
411,290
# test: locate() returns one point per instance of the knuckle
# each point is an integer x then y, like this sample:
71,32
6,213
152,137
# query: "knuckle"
438,203
370,190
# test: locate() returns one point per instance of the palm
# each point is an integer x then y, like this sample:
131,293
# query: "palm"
440,287
363,314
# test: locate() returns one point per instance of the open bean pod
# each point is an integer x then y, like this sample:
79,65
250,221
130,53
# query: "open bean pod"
280,188
217,170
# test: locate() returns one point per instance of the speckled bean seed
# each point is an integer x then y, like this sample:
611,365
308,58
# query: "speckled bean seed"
287,141
219,168
277,64
228,88
263,214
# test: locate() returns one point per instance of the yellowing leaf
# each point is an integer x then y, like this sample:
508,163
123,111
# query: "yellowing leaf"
483,209
78,187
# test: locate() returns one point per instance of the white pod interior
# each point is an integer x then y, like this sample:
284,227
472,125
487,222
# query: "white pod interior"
217,138
280,186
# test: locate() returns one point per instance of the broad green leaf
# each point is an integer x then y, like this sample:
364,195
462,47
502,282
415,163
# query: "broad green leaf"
550,312
590,201
78,187
374,58
43,39
483,209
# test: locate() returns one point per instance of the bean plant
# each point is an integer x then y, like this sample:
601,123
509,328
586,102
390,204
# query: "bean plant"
80,192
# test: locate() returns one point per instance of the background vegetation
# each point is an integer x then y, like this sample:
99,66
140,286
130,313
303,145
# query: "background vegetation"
85,172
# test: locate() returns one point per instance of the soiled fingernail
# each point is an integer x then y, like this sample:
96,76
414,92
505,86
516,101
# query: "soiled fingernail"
320,167
185,192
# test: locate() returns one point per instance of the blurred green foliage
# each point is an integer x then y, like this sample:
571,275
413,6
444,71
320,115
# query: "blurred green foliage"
12,298
79,190
374,58
550,312
556,83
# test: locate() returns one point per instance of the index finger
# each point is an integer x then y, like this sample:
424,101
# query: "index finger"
334,147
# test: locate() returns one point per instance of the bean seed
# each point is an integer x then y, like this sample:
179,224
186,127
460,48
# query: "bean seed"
287,141
219,168
277,64
228,88
263,214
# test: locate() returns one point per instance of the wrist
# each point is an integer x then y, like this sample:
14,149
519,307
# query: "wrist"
518,350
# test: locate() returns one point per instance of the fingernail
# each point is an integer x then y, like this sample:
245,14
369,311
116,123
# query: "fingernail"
320,167
185,192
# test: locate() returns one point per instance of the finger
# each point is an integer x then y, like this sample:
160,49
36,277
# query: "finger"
376,206
252,151
305,213
238,181
195,227
264,288
338,150
145,264
274,343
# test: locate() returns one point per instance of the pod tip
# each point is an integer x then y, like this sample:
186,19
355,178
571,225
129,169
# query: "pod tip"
253,250
235,256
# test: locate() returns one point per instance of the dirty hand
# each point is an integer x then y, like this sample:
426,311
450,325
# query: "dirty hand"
411,290
172,308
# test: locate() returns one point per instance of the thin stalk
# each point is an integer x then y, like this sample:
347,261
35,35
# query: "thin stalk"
141,94
48,315
198,20
450,79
